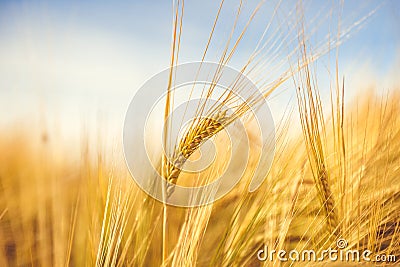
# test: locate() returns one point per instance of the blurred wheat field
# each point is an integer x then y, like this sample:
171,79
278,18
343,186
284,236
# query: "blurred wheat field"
56,211
336,177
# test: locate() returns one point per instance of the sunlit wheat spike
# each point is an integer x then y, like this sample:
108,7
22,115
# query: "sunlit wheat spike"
329,202
192,140
313,125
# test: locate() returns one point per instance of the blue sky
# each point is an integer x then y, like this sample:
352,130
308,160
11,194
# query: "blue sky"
74,60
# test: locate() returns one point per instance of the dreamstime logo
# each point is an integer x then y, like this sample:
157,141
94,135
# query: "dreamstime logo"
309,255
206,91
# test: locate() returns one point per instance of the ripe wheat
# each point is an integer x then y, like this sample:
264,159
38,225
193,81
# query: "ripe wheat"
193,139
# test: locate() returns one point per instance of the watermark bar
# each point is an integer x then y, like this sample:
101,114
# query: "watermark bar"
340,254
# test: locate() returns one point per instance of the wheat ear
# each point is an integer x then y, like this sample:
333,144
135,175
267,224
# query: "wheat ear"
192,140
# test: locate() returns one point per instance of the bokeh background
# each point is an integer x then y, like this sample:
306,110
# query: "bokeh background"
74,65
